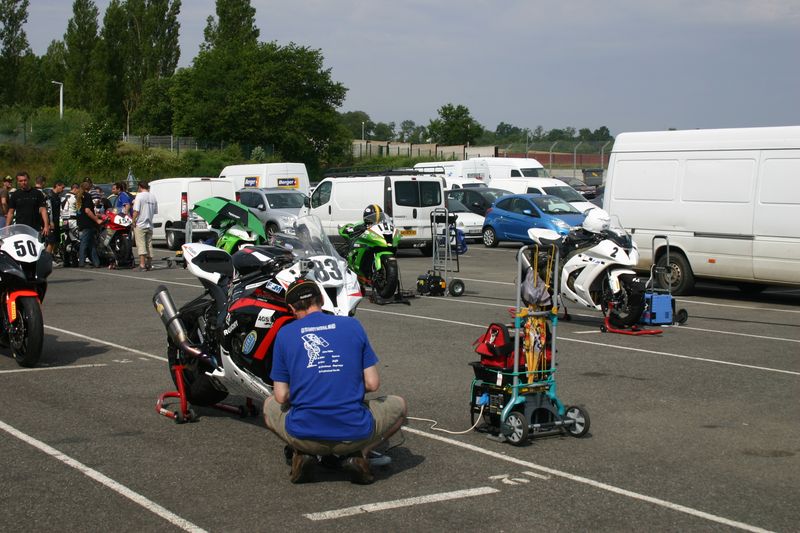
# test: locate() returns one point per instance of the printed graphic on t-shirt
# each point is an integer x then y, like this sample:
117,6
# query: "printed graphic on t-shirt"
320,354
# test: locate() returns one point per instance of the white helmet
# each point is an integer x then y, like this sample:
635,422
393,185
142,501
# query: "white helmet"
596,220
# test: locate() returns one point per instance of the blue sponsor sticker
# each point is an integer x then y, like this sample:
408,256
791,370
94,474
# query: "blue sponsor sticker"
287,182
249,342
251,181
274,287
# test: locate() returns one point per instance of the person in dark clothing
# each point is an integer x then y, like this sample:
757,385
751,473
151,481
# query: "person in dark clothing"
27,206
87,224
54,199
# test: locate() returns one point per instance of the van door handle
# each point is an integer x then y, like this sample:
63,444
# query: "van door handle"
414,213
329,210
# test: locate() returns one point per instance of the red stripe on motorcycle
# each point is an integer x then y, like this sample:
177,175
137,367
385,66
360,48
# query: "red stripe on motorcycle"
261,352
246,302
12,298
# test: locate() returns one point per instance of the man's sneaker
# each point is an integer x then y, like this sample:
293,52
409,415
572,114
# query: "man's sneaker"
302,468
378,459
357,467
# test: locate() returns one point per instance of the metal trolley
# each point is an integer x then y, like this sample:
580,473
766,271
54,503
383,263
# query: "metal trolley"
518,403
446,249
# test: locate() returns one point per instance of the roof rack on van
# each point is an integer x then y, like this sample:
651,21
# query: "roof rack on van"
373,171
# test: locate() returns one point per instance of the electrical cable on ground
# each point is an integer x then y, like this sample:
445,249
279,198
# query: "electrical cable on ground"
433,427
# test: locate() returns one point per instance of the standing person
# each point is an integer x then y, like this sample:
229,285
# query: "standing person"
41,181
28,206
144,207
123,200
322,367
4,192
54,201
87,224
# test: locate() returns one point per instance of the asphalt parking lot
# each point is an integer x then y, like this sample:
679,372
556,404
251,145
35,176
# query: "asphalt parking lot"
696,429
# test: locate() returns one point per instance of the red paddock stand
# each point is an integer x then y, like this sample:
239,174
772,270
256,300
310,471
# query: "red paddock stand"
635,329
185,413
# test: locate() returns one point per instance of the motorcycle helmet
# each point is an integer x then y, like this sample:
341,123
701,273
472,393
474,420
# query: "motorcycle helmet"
596,221
372,214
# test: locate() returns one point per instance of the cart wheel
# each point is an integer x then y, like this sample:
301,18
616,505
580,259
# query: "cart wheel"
456,287
603,328
681,316
581,418
515,428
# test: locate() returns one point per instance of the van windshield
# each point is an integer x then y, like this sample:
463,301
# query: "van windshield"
565,193
418,193
538,172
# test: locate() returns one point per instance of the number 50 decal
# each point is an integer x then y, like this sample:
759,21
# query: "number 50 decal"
22,250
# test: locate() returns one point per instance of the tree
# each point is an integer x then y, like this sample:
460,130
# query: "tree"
154,114
81,42
13,46
111,62
235,26
506,131
354,121
384,131
455,125
272,95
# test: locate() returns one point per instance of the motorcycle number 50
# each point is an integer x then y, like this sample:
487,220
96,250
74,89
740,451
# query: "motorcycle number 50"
326,270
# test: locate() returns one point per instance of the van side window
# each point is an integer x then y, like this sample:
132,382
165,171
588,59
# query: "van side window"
322,194
406,193
430,194
516,173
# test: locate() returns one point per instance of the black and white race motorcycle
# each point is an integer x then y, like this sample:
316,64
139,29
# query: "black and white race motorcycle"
597,262
220,343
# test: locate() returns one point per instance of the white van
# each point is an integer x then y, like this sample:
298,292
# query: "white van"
292,176
728,200
457,174
407,199
544,186
512,167
175,198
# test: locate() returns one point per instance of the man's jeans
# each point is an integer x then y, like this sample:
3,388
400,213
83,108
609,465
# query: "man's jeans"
88,238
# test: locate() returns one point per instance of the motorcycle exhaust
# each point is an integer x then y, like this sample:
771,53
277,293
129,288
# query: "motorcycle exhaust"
165,307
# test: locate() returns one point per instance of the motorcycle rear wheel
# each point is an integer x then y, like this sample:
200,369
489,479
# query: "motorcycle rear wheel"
27,332
627,310
384,281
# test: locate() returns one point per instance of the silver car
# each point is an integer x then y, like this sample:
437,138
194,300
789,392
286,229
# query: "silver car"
276,208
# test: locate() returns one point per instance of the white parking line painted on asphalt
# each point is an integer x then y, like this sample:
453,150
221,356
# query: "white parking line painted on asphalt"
596,484
42,368
106,343
487,281
749,308
614,346
91,473
782,339
143,278
396,504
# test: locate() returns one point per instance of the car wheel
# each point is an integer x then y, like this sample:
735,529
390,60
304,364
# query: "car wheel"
490,237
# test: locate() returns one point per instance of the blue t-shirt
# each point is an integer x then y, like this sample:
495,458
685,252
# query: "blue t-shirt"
122,199
322,358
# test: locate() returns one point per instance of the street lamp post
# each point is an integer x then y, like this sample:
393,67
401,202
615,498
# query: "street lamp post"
60,99
362,130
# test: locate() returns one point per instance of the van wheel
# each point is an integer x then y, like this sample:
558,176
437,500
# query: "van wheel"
427,250
490,237
173,241
678,278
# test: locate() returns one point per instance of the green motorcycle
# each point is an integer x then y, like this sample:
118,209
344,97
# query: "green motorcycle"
370,254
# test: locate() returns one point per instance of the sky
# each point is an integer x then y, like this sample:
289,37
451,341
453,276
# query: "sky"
629,65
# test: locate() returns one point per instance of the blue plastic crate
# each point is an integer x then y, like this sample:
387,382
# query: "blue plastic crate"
657,309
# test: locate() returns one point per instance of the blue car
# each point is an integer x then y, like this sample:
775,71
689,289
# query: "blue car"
511,216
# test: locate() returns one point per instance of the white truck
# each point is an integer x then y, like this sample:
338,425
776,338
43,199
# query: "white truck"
175,197
513,167
727,199
290,176
457,174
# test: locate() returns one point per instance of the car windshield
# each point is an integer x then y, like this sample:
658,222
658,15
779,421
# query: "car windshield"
285,200
565,192
456,207
553,205
538,172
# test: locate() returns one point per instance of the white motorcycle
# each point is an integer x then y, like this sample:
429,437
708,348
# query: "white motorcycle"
221,342
597,263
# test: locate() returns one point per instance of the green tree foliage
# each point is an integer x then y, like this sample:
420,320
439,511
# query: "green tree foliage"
411,133
234,27
154,114
13,47
455,125
112,61
267,94
81,41
384,131
353,121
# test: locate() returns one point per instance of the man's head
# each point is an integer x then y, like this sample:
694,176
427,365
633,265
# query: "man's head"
41,181
144,186
8,182
118,187
303,295
23,180
58,187
74,188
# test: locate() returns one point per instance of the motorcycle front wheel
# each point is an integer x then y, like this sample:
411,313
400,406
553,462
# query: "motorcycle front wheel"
627,309
123,250
384,281
26,333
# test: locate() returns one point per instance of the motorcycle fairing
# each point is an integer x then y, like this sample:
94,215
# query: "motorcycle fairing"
11,302
207,262
241,382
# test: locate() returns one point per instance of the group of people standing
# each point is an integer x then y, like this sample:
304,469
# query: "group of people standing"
82,207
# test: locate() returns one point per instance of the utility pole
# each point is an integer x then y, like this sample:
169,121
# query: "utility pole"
60,99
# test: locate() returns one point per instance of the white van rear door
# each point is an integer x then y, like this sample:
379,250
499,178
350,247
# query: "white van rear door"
413,201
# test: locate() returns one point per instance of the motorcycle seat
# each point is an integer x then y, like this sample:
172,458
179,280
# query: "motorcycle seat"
253,258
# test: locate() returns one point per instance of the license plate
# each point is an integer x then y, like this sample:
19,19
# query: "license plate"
408,232
198,224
